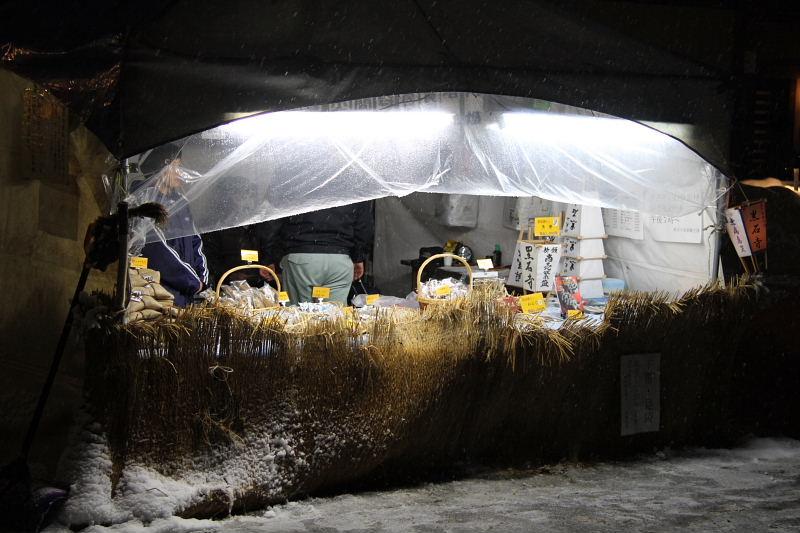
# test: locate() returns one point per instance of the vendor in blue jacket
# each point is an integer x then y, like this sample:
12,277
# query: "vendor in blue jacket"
180,260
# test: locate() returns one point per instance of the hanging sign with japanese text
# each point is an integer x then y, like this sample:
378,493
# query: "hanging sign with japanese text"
754,216
736,232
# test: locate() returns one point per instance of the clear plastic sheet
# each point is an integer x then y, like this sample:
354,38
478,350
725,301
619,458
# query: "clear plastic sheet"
274,165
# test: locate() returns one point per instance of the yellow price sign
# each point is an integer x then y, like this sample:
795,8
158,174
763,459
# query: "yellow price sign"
372,298
321,292
444,291
485,264
138,262
283,296
574,313
547,226
250,255
532,303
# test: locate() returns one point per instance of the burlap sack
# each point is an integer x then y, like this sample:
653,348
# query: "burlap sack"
152,303
144,276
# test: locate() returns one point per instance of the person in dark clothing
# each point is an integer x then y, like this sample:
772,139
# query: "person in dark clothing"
181,261
326,248
223,250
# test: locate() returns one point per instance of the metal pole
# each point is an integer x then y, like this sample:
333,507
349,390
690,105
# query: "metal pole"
719,225
122,254
123,228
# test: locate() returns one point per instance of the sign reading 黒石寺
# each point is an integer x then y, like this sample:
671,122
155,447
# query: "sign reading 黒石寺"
754,216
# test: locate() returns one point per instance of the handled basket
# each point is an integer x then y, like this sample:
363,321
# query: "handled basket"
245,267
423,301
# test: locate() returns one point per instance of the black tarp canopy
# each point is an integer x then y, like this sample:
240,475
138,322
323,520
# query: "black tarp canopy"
143,73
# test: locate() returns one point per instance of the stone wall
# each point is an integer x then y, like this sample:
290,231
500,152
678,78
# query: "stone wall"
42,223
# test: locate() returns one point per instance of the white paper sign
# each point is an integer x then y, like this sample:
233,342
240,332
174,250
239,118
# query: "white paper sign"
535,267
640,393
623,223
688,228
570,267
737,233
572,220
485,264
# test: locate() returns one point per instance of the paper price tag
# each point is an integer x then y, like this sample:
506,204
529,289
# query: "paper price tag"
546,226
372,298
444,291
485,264
532,303
574,313
321,292
250,255
283,296
138,262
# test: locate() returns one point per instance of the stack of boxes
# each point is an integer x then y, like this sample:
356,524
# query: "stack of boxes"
583,250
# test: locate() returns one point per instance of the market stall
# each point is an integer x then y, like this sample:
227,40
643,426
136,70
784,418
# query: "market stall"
223,408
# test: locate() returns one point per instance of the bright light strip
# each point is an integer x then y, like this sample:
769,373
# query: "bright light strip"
403,124
577,129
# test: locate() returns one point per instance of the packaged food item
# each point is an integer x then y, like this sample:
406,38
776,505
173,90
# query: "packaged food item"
148,298
241,295
443,289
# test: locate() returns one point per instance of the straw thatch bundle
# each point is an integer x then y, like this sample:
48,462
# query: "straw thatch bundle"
293,408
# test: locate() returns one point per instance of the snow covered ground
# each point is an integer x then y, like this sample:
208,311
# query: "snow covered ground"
753,488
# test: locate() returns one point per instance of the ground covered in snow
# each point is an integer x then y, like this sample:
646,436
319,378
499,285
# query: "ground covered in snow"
753,488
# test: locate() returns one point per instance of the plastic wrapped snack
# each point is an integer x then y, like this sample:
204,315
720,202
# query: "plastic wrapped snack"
322,309
241,295
443,289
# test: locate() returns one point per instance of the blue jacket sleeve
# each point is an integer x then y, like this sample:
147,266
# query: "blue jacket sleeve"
200,264
175,273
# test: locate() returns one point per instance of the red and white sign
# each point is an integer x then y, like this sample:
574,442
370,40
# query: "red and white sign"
754,216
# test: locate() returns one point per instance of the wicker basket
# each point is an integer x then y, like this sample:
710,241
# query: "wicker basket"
423,301
246,267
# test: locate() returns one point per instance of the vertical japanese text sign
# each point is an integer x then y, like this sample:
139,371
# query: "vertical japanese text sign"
549,256
523,267
736,232
572,220
534,267
754,216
